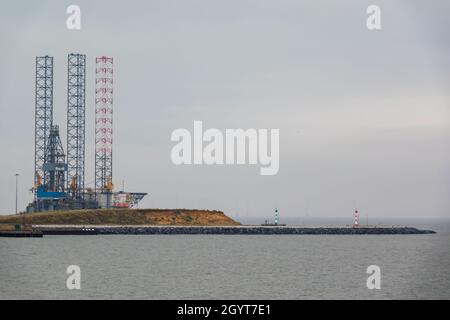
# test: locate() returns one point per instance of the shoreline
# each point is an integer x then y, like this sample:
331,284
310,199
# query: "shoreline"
223,230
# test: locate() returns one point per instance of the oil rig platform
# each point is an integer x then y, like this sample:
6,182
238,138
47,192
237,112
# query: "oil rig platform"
59,180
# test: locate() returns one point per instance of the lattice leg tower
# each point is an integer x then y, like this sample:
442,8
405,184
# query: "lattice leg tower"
43,114
76,112
103,123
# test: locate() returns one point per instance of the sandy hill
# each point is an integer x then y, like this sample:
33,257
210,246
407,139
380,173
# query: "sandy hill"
182,217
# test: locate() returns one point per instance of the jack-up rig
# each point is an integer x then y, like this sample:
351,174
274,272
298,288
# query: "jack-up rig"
59,183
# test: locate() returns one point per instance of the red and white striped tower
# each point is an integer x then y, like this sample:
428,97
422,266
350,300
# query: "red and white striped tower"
356,219
103,123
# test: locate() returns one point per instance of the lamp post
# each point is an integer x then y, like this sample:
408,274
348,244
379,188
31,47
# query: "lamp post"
17,178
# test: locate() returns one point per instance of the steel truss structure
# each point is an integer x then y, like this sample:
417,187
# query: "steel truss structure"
43,114
103,123
76,111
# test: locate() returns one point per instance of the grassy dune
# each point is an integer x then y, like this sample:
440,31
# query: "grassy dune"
181,217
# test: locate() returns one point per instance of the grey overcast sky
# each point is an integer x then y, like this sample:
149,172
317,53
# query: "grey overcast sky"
364,116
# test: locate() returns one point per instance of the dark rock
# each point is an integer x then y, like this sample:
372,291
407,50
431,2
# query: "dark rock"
260,230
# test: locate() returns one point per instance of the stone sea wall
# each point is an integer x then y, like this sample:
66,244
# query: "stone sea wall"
255,230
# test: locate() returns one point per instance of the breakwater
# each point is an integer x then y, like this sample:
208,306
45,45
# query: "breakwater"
231,230
21,234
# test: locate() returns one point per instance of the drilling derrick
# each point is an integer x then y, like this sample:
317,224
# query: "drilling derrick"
43,115
76,124
103,123
55,163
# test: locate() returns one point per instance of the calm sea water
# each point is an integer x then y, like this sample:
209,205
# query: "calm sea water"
226,267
